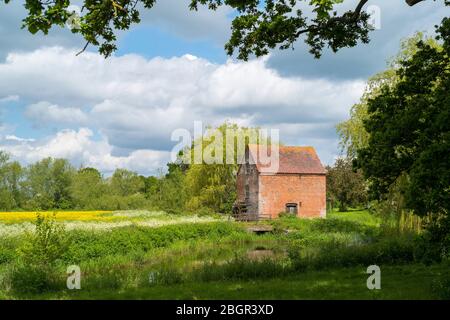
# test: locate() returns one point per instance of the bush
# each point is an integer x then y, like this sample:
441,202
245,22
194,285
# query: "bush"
46,244
27,279
434,244
34,271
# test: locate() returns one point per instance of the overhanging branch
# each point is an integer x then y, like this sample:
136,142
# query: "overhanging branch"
413,2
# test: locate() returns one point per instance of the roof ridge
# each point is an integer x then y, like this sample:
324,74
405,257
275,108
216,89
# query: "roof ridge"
293,159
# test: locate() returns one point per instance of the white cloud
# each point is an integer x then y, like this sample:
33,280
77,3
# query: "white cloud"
136,103
9,98
11,137
43,112
80,147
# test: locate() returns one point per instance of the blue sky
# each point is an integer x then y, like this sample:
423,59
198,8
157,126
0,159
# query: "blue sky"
170,71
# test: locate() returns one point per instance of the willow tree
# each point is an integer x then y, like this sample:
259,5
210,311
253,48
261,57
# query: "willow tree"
211,178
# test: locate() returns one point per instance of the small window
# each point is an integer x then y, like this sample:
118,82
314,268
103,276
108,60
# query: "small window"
291,208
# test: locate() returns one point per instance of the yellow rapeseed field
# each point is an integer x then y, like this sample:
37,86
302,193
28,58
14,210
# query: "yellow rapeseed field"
15,217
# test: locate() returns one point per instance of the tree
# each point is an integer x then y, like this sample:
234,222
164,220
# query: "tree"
409,130
48,184
212,184
125,183
352,133
11,174
87,188
257,27
172,190
346,185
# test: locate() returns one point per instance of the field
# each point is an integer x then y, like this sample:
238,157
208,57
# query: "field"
155,255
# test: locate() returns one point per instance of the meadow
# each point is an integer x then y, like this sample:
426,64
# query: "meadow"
155,255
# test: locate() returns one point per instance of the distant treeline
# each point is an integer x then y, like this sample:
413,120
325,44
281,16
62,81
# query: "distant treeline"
55,184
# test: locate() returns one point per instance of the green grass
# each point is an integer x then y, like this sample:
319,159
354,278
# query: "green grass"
301,259
359,216
405,282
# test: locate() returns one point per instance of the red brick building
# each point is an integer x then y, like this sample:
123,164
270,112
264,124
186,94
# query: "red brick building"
297,185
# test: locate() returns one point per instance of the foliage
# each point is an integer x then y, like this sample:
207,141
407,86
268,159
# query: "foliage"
124,260
392,207
86,245
27,279
257,26
125,183
352,133
11,174
171,193
47,184
38,254
211,182
434,243
346,185
408,126
46,244
86,189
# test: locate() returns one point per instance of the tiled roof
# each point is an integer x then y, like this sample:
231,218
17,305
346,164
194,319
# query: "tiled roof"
291,160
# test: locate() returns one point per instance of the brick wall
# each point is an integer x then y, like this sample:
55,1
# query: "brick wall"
308,191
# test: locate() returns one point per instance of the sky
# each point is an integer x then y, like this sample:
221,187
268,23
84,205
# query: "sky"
172,70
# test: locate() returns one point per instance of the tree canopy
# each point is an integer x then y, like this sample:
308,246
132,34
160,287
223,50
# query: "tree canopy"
257,26
352,133
409,130
346,185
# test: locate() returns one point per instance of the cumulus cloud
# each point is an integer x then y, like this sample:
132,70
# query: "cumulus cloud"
120,112
136,103
43,113
83,150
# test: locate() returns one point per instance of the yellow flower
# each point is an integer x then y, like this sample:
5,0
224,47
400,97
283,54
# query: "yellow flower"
15,217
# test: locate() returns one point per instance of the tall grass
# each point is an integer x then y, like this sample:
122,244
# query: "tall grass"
137,256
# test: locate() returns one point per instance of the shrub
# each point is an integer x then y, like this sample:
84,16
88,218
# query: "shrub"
434,244
46,244
26,279
34,271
